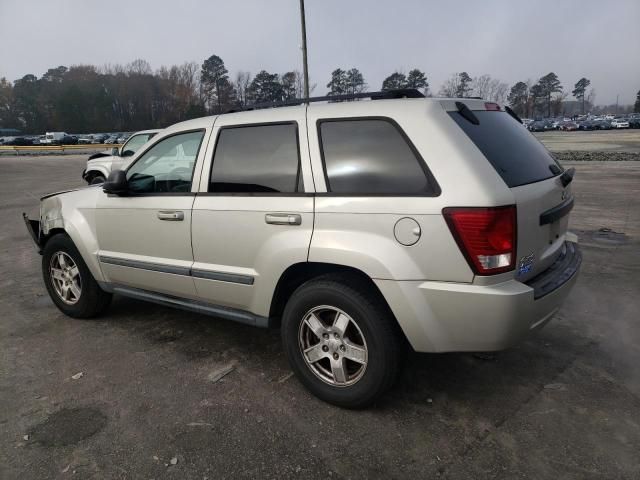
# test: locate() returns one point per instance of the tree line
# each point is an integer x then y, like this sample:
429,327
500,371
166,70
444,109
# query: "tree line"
86,98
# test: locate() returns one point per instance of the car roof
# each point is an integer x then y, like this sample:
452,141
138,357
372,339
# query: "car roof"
329,109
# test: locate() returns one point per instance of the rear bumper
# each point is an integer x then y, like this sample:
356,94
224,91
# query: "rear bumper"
445,317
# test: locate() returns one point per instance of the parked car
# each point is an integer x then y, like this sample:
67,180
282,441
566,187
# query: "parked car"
69,140
634,122
85,139
20,142
99,138
355,226
53,138
619,123
586,125
569,126
112,139
537,126
123,138
99,165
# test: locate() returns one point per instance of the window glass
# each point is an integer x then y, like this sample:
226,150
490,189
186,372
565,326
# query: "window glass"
370,156
134,143
167,166
256,159
517,155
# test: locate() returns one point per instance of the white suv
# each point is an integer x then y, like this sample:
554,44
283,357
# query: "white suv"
355,226
100,165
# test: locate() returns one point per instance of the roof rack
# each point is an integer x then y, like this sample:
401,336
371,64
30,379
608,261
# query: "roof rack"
384,95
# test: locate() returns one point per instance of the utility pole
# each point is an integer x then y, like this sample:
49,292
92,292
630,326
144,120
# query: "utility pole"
305,67
617,103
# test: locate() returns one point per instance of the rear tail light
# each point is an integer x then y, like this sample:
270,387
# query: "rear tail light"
491,106
486,236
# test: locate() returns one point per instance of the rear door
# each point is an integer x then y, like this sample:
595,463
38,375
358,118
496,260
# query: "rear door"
533,176
253,215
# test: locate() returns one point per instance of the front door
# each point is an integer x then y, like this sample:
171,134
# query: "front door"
145,236
253,215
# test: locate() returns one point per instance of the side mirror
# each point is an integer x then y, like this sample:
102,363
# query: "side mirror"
127,153
116,184
115,152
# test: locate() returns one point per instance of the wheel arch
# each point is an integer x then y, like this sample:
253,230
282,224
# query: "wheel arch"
92,172
300,273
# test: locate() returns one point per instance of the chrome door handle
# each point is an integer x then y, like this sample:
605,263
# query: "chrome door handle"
283,218
171,216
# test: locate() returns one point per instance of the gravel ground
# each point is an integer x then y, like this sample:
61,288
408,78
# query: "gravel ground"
150,392
569,156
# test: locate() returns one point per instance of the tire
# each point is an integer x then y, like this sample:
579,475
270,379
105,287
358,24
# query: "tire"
370,326
83,297
97,180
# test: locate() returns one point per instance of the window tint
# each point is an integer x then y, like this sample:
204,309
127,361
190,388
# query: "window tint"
370,156
167,166
256,159
517,156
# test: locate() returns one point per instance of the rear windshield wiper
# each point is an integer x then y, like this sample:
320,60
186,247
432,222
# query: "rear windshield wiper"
466,113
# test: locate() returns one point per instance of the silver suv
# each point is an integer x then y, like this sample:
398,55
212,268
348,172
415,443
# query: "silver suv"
354,226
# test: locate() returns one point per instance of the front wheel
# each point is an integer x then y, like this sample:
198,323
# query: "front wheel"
341,341
69,282
97,180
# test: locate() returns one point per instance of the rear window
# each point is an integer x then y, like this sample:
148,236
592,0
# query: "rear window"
518,157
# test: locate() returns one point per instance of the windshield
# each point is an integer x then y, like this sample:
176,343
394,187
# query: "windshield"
517,156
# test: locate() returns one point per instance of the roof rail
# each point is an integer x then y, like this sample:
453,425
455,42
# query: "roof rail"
384,95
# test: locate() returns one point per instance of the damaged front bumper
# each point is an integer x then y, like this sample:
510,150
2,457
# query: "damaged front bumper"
33,227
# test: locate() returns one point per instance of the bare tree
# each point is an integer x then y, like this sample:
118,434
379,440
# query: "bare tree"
138,67
241,84
450,86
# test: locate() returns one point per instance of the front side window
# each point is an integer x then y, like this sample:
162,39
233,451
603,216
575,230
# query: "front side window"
256,159
167,167
134,144
371,156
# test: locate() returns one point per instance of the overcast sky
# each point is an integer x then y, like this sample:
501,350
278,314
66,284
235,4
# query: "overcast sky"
511,40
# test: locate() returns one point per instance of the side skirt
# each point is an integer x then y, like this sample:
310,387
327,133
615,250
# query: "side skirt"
227,313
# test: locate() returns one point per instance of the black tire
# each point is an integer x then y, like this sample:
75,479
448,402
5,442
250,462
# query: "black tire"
92,300
97,180
378,328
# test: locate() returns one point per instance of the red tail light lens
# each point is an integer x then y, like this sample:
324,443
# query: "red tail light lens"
486,236
494,107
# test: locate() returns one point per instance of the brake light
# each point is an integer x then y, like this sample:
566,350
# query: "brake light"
486,237
491,106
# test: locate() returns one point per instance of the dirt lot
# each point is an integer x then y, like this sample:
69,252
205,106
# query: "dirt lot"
626,141
564,404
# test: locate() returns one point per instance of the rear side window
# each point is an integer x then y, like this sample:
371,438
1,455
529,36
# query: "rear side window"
517,156
256,159
371,156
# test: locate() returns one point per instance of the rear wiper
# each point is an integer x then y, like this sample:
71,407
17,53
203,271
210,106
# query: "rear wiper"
512,113
466,113
567,176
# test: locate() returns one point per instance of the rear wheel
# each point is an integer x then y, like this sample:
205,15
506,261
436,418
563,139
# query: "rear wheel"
341,341
69,281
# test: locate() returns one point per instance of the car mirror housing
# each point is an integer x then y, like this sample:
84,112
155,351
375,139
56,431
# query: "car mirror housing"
116,183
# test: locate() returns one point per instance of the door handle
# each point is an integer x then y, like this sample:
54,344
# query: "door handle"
171,216
283,218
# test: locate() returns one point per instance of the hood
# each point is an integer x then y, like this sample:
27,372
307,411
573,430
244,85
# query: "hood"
49,195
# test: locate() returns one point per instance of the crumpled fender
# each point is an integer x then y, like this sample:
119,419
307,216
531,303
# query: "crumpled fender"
73,212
